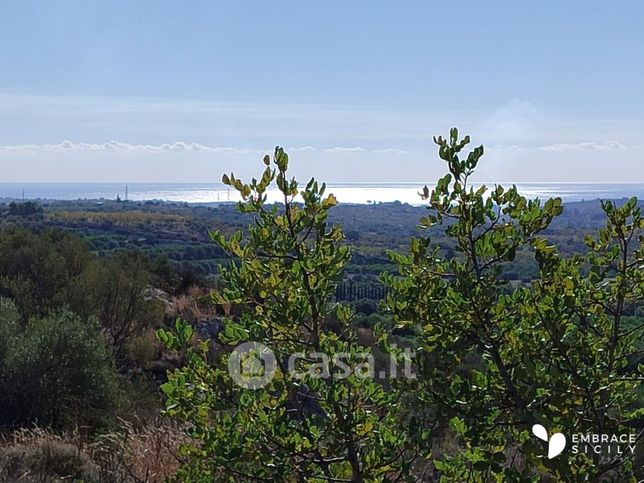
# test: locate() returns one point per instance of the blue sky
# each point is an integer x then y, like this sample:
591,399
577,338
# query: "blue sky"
183,91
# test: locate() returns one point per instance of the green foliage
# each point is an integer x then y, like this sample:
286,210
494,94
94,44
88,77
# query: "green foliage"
28,208
114,291
44,272
72,316
284,275
38,270
552,353
56,370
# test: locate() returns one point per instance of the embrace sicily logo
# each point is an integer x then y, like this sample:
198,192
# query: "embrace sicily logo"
556,442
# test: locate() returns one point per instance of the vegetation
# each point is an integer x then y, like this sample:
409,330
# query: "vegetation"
127,453
493,359
554,352
178,233
77,355
302,427
55,370
519,313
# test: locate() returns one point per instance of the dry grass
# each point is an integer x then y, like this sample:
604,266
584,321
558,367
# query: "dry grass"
131,453
194,306
35,454
144,348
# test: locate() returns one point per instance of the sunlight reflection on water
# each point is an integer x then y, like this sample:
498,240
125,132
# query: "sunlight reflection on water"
360,193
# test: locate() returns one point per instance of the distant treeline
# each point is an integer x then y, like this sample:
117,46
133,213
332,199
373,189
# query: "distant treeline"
350,291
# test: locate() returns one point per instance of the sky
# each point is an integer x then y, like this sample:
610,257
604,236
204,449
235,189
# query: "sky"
168,91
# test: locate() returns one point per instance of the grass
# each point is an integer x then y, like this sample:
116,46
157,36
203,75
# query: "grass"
131,453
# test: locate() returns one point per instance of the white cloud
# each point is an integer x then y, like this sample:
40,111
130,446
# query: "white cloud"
120,147
213,137
512,148
562,147
340,149
390,151
175,147
519,121
588,146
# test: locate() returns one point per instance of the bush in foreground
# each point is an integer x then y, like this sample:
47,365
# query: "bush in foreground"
55,371
493,360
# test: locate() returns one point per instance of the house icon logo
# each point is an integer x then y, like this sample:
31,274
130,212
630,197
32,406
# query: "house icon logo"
556,442
251,365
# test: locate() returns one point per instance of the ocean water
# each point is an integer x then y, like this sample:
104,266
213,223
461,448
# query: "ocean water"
359,193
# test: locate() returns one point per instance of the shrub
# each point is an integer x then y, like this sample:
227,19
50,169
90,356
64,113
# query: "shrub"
114,291
38,270
56,370
284,275
553,353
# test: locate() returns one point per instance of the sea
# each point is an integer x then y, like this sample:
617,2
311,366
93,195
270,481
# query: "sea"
354,193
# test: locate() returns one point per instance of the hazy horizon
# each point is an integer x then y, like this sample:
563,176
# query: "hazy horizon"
345,192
